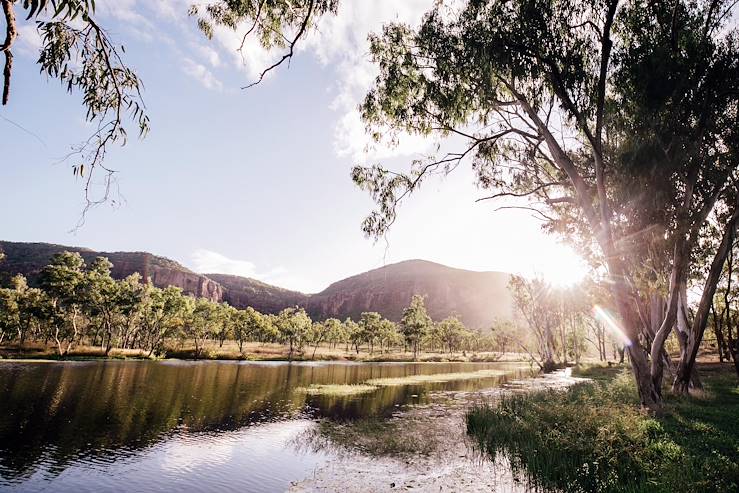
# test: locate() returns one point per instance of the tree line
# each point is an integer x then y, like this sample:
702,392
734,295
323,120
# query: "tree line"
75,304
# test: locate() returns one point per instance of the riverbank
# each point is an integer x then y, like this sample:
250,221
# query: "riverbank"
250,352
422,447
596,438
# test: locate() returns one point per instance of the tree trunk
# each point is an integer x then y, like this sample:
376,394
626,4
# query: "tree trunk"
687,360
718,331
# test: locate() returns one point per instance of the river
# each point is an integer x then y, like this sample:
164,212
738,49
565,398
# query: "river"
190,426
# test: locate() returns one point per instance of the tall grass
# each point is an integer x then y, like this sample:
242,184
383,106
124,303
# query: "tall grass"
594,437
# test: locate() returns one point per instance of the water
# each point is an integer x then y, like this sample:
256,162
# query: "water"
185,426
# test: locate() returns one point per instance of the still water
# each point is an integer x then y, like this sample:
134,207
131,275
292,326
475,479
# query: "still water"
186,426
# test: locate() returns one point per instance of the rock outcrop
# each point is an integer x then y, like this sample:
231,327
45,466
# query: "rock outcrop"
29,258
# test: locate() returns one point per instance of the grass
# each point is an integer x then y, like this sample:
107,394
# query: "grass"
595,437
336,390
435,378
372,436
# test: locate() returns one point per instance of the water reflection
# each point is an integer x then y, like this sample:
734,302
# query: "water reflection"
65,422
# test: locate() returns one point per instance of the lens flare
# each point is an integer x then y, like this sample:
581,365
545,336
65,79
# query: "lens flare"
611,324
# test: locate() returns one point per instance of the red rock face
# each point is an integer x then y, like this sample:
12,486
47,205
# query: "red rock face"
29,258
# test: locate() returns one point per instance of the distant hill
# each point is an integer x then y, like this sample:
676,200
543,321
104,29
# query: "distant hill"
478,298
244,291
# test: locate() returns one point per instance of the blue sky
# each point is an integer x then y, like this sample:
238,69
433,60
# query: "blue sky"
251,182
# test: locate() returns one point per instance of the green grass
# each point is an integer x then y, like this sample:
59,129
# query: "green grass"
336,390
595,437
435,378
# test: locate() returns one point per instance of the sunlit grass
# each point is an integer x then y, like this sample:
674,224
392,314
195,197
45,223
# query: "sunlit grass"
435,378
336,390
595,437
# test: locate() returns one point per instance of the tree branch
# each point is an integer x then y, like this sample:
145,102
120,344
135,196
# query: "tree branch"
11,33
291,50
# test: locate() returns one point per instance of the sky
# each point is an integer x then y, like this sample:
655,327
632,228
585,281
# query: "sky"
249,182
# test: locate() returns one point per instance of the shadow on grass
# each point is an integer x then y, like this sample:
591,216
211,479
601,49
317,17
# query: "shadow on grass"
594,437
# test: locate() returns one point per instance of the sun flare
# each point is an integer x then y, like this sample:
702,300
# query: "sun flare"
560,265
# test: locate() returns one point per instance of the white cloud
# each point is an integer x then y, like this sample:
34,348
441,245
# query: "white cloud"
210,54
341,41
209,262
201,73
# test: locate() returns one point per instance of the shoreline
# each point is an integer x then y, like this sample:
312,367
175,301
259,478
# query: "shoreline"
86,354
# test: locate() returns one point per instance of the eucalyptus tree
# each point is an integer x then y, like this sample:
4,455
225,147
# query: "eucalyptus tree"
63,281
294,325
388,334
538,306
163,313
79,53
318,333
32,307
452,333
370,325
335,332
102,295
221,327
248,324
415,323
580,106
203,322
9,313
353,334
131,294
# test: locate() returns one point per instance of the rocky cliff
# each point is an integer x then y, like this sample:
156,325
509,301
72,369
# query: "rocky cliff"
29,258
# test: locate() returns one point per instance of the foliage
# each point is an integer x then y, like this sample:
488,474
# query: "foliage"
415,323
294,326
614,122
594,437
81,55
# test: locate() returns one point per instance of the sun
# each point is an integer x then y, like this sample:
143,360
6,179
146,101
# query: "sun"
560,265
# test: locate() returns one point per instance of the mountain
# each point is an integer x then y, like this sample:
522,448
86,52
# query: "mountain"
478,298
29,258
244,291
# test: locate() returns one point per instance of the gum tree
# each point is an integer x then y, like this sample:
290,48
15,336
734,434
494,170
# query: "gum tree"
415,323
584,108
79,53
63,280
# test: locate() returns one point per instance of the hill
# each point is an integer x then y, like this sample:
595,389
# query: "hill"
244,291
478,298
